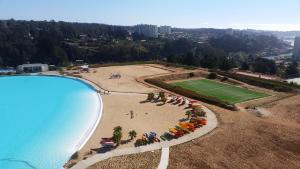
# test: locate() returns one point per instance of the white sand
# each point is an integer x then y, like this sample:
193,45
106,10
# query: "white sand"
127,83
147,117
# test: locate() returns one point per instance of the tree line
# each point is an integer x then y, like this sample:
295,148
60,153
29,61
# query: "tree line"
61,43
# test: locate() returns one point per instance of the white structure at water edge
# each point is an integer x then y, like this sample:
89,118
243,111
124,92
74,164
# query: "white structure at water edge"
32,68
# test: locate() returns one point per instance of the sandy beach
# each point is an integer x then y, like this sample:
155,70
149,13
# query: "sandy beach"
127,82
147,116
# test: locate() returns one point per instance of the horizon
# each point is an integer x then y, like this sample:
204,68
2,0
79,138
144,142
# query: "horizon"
245,29
268,15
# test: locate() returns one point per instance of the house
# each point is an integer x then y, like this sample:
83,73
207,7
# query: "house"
32,68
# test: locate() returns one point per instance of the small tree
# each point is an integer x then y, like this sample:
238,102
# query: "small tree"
150,96
212,76
224,64
118,129
117,135
245,66
292,70
189,113
132,134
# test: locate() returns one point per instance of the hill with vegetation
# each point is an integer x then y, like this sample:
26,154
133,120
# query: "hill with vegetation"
61,43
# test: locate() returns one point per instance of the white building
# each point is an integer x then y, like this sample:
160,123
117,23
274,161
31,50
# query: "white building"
165,30
147,30
32,68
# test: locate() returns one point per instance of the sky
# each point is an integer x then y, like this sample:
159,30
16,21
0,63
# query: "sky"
281,15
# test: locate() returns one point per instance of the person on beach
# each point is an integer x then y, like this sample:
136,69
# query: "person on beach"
131,114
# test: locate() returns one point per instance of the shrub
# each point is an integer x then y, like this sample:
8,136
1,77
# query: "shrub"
224,79
191,75
212,75
132,134
150,96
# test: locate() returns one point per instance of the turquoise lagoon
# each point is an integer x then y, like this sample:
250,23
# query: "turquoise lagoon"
44,120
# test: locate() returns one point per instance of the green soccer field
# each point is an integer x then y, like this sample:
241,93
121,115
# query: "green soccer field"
222,91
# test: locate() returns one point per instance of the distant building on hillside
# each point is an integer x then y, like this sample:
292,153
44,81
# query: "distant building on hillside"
297,48
147,30
165,30
32,68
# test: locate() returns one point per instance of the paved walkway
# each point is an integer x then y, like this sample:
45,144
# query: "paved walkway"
212,124
164,159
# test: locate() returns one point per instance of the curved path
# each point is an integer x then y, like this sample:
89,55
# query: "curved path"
212,124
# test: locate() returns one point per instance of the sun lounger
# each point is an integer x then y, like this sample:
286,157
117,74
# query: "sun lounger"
193,101
108,144
104,140
167,136
174,98
173,130
163,137
188,126
200,121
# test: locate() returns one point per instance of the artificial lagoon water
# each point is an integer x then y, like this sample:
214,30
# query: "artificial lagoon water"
44,120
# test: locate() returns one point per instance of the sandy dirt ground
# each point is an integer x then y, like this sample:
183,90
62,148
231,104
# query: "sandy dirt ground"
147,117
147,160
128,81
287,110
244,140
270,77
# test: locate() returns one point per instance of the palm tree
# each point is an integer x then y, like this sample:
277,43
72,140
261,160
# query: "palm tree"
189,113
118,129
117,135
132,134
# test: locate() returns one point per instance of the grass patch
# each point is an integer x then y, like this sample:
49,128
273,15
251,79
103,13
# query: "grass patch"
191,94
265,83
224,92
